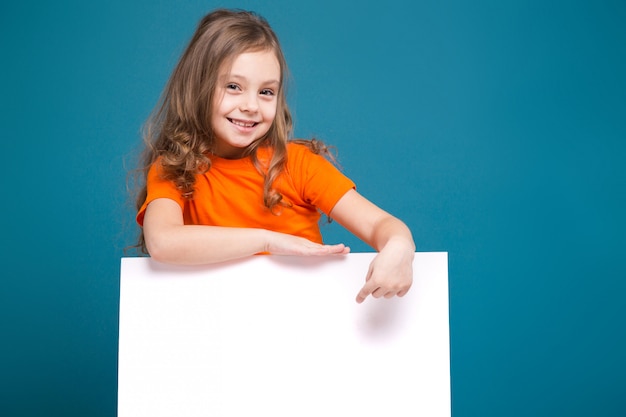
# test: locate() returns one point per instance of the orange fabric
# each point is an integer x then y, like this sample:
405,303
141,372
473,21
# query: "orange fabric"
230,193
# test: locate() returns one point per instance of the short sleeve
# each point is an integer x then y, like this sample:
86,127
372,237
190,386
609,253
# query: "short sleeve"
158,187
319,182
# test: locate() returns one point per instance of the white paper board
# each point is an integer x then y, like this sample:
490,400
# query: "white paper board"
281,336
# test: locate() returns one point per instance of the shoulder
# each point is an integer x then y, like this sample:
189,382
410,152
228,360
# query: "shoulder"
297,147
301,149
310,159
304,161
156,170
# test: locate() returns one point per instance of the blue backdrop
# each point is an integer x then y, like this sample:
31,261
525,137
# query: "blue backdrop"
496,130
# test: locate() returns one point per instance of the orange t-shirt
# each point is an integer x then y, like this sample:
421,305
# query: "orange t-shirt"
230,193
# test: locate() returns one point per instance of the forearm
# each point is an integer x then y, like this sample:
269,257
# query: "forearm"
371,224
169,240
192,245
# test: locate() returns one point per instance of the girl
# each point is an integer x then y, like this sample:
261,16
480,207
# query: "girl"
223,180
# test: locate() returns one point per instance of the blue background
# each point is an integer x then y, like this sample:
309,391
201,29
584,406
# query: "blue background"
496,130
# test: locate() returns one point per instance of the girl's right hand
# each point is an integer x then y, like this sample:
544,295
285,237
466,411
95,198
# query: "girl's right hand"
169,240
284,244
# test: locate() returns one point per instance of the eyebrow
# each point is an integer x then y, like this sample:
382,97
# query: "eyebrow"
241,77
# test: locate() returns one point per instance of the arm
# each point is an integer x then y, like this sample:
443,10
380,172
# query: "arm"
391,271
169,240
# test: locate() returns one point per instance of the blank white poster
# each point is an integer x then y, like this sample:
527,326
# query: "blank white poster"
283,337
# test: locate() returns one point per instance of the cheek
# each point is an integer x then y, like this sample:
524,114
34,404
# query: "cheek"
269,112
221,105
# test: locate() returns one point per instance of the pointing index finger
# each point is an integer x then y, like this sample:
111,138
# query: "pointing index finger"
367,290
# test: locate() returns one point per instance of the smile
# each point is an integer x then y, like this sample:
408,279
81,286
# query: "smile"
241,123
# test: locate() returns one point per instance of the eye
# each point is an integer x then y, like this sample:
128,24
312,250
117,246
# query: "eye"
232,86
267,92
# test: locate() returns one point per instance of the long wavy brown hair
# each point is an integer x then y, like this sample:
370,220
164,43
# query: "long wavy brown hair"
179,133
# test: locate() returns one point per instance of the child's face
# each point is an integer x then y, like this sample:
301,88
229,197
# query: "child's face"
244,102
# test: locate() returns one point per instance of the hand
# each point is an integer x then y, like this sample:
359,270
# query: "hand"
285,244
390,273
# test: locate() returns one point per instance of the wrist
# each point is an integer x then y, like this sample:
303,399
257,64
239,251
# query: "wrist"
400,243
266,237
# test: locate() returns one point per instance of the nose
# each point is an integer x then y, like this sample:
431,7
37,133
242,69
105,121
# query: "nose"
249,103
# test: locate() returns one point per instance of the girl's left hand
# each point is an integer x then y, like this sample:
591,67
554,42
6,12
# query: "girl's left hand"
390,273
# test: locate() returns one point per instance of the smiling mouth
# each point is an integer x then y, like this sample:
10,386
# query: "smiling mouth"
242,123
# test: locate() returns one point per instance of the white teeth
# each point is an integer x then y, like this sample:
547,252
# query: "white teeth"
242,124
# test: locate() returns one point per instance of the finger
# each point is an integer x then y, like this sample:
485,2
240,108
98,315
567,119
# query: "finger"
403,293
378,293
339,248
364,293
310,248
367,288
